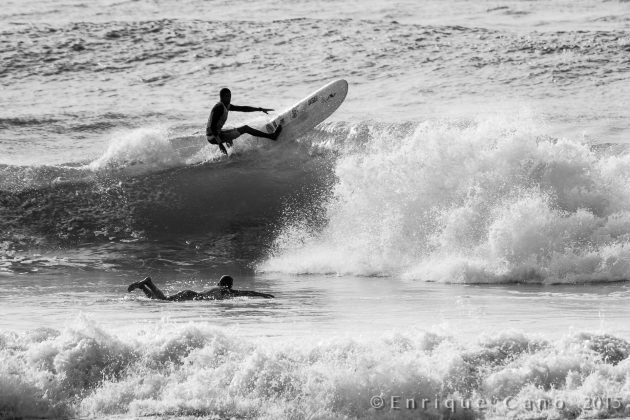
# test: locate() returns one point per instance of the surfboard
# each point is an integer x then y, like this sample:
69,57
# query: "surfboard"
296,120
310,111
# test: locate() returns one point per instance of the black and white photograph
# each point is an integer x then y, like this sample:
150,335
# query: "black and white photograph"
315,209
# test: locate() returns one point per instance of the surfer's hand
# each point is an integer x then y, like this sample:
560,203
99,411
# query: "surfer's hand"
265,110
229,143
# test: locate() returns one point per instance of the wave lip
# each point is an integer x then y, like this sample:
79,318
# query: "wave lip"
148,147
488,201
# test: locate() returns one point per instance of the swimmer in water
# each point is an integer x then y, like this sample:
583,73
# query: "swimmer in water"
223,290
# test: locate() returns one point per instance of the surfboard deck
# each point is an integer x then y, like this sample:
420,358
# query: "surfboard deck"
296,120
302,117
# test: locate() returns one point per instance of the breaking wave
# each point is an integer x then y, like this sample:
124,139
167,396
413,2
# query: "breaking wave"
490,200
156,184
485,201
175,370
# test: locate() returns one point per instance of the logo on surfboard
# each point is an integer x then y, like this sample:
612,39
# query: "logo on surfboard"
329,97
311,110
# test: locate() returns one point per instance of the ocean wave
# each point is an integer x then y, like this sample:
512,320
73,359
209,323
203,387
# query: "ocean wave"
492,200
486,201
6,123
151,183
175,47
188,370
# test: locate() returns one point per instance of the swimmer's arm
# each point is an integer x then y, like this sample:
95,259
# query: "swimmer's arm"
251,293
249,109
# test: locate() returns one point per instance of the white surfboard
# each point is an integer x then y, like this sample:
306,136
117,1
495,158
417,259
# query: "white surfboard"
310,111
296,120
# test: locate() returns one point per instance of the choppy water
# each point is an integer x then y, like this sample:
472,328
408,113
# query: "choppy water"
459,228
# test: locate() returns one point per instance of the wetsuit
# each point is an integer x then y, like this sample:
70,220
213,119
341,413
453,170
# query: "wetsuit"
219,115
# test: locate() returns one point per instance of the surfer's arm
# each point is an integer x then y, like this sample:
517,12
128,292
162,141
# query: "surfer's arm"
249,109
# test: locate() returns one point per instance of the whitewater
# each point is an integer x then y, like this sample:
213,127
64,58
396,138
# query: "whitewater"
454,242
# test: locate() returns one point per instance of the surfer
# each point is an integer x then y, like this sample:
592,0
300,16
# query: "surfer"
218,116
223,290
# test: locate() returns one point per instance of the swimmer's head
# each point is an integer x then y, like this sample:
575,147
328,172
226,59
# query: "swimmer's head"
226,281
226,95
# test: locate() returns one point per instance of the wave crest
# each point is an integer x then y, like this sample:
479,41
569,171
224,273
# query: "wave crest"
485,201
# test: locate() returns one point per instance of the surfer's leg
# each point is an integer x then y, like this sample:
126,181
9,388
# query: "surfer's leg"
230,135
148,288
143,285
156,292
147,291
246,129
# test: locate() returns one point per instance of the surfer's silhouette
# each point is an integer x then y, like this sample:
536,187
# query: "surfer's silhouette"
218,116
223,290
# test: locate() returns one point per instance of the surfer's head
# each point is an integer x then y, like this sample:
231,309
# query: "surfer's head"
226,281
226,95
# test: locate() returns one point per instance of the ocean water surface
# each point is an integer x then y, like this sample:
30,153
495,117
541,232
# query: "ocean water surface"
458,231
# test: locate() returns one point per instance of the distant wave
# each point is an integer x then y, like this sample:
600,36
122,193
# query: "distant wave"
121,49
80,122
173,370
24,122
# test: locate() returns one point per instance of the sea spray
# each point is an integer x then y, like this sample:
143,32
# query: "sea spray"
483,201
170,369
148,147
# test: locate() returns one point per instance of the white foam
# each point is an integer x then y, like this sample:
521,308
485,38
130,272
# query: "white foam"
185,370
140,150
491,200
